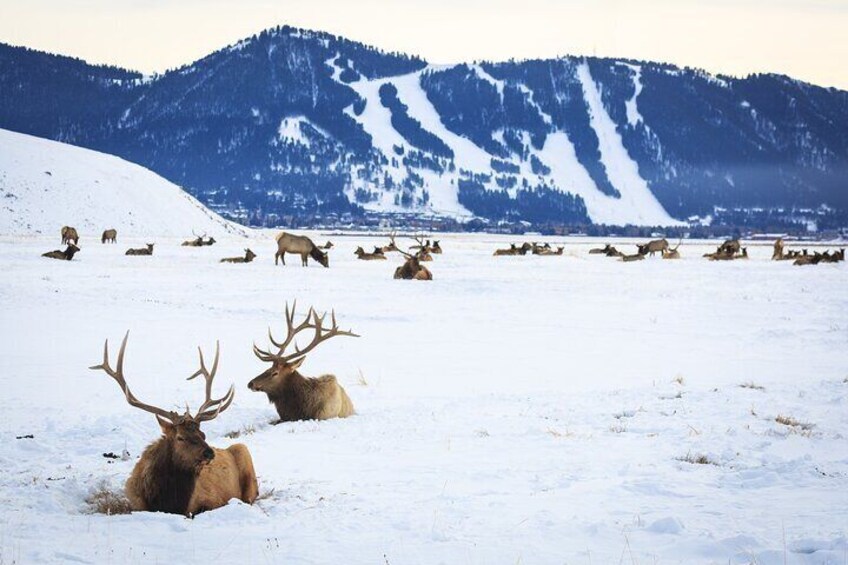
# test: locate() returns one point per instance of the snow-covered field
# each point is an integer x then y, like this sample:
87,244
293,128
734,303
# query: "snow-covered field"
514,410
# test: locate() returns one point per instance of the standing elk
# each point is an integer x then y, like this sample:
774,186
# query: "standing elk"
248,257
141,251
70,234
300,245
777,254
297,397
730,247
65,255
180,473
375,256
110,236
652,247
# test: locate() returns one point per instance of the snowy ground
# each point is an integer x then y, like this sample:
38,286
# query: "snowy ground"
514,410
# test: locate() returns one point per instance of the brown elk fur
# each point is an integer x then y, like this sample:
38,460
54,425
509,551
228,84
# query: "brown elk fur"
777,254
141,251
297,397
652,247
412,269
65,255
110,236
177,475
630,258
514,250
436,248
601,250
299,245
548,252
375,256
69,234
179,472
300,398
328,245
248,257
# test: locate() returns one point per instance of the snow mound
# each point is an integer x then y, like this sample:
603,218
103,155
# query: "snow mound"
45,185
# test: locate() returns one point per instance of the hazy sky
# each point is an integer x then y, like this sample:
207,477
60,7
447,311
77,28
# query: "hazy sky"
805,39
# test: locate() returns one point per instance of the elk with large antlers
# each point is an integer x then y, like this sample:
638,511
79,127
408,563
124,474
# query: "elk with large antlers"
180,473
412,269
297,397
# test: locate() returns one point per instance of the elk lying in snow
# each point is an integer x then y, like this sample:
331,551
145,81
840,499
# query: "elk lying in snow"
730,247
513,250
412,269
297,397
198,241
392,246
601,250
423,249
141,251
328,245
65,255
724,253
672,253
436,248
248,257
816,258
109,235
300,245
69,234
180,473
547,251
652,247
630,258
376,255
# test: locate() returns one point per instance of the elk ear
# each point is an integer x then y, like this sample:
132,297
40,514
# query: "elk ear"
164,424
295,365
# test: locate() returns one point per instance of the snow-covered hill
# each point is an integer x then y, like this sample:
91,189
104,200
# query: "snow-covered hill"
45,185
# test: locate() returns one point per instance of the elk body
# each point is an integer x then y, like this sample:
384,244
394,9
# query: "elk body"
777,254
513,250
180,473
672,253
141,251
328,245
248,257
300,245
652,247
198,241
630,258
110,236
436,249
601,250
376,255
547,251
297,397
65,255
69,234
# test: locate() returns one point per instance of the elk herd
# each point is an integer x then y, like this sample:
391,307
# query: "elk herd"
180,473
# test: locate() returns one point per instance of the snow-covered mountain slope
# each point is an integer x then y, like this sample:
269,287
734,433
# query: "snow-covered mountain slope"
45,185
305,124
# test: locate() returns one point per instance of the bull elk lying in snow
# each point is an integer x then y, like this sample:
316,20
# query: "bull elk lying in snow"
141,251
376,255
248,257
412,269
70,234
65,255
547,251
180,473
300,245
607,250
297,397
110,236
672,253
198,241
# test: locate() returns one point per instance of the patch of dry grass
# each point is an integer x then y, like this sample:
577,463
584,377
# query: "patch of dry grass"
361,381
697,459
245,431
793,423
105,500
752,386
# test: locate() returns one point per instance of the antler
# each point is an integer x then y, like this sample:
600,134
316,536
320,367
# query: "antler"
312,321
211,407
118,375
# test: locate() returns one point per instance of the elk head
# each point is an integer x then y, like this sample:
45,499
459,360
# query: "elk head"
282,364
187,445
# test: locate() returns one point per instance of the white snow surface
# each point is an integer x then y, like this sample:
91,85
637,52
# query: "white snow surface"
637,201
45,185
631,106
513,410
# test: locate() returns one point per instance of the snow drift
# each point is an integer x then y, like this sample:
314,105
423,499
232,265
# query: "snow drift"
45,185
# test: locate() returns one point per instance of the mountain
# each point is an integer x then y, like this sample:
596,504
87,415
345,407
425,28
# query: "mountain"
45,185
292,124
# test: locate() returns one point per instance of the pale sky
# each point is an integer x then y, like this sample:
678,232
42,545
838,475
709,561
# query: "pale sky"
805,39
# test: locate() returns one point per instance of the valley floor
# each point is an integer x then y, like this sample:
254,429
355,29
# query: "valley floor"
569,409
